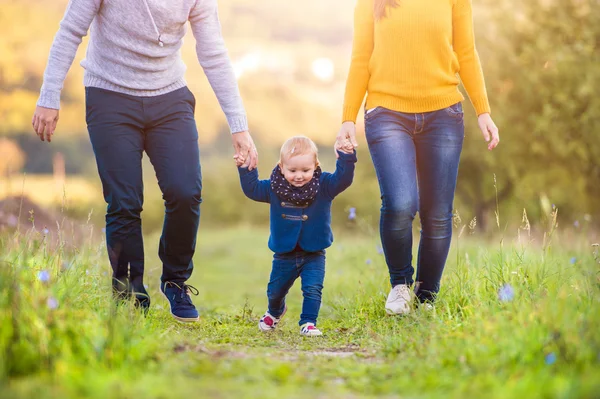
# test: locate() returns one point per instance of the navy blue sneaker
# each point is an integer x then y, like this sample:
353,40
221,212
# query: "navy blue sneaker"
180,302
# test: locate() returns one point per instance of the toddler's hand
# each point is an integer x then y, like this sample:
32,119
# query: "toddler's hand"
347,147
240,162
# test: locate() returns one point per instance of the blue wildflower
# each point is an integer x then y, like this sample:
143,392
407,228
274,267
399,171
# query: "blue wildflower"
45,231
550,358
368,261
576,223
44,276
352,214
52,303
506,293
573,260
379,250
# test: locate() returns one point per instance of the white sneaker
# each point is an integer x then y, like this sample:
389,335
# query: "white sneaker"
269,322
399,300
310,330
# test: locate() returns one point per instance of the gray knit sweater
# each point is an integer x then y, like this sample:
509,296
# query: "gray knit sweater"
135,48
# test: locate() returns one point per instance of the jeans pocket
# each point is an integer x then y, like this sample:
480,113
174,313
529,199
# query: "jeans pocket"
455,110
371,113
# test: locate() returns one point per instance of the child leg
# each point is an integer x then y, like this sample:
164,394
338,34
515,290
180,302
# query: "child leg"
312,274
283,275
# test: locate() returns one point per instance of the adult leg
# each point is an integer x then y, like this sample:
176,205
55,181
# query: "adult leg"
390,139
172,146
114,123
438,154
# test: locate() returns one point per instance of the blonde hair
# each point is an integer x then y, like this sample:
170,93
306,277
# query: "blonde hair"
380,7
298,145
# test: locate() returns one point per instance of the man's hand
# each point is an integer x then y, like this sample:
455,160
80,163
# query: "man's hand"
346,139
244,150
44,122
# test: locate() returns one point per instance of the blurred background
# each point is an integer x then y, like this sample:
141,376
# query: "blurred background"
541,60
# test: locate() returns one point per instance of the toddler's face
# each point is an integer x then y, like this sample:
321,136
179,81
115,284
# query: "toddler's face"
299,170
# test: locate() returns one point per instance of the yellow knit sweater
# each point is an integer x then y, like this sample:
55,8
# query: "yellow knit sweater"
408,61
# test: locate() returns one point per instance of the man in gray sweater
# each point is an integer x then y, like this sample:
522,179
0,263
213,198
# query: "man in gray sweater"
137,100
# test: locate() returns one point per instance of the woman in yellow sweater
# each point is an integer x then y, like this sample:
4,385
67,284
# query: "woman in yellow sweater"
407,56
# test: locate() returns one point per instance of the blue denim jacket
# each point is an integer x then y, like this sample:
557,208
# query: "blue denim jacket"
307,226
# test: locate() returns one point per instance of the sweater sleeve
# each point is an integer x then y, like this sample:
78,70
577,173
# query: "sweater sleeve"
213,57
362,47
73,27
463,42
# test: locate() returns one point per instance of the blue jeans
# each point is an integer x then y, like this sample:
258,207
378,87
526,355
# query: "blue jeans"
121,128
416,159
287,267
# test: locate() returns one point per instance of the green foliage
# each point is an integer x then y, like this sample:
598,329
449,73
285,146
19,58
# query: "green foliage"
540,59
541,343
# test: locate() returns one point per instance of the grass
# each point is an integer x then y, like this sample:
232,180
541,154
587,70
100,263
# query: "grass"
542,342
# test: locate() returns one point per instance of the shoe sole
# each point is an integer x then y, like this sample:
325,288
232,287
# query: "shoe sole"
180,319
312,335
265,330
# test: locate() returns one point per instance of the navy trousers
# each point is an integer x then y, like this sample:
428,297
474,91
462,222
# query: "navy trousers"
121,128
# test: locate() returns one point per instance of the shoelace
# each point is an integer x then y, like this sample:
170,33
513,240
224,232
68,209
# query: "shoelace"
184,293
398,293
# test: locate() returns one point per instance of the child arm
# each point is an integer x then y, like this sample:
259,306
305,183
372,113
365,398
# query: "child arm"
334,183
255,189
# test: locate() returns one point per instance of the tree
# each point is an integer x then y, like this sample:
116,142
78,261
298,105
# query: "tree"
541,61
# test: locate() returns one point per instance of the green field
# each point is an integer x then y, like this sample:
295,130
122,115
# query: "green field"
64,339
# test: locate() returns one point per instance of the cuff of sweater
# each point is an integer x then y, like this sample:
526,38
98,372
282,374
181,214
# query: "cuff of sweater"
237,123
349,114
481,105
49,99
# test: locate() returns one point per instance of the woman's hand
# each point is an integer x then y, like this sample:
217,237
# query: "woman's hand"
346,139
44,122
489,130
